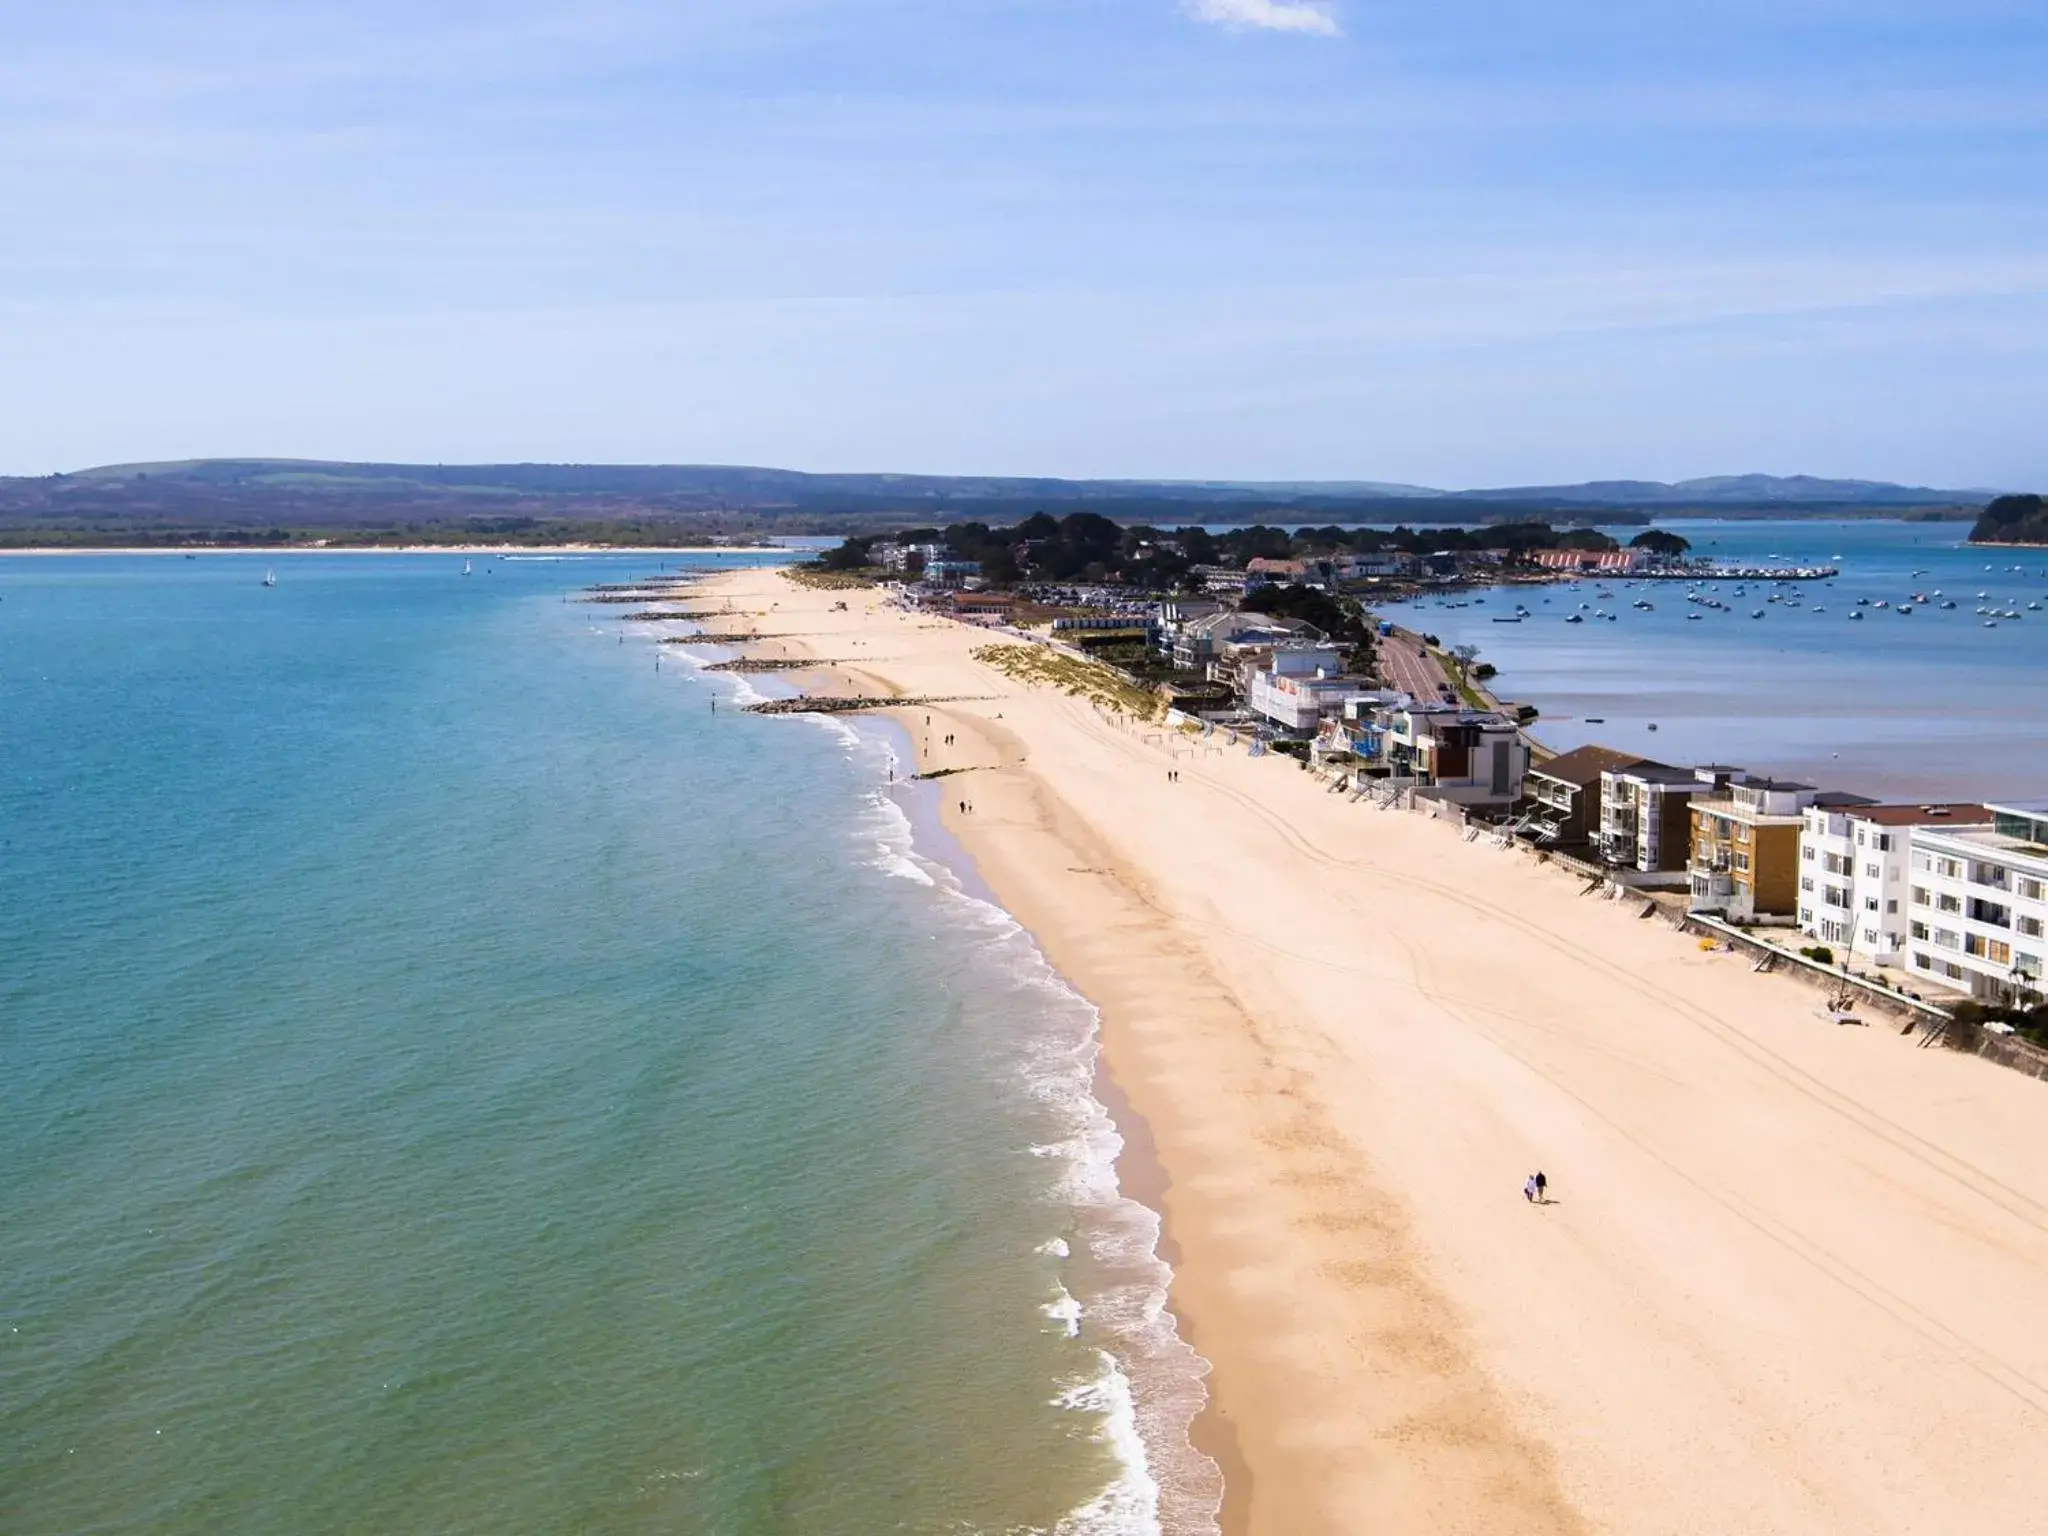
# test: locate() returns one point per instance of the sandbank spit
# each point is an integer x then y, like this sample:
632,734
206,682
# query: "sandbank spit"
1794,1277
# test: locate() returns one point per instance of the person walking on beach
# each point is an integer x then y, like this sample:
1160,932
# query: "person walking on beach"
1542,1188
1529,1190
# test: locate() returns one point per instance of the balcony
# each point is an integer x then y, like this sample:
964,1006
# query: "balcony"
1711,889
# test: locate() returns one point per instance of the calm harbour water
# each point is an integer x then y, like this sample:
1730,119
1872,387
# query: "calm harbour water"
453,1080
1930,705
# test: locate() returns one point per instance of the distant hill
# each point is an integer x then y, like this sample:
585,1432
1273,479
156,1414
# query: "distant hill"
254,500
1790,491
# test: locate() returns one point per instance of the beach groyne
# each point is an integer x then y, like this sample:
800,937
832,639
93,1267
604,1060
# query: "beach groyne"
721,637
834,704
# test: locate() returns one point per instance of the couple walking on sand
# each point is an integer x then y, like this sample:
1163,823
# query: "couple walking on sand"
1537,1190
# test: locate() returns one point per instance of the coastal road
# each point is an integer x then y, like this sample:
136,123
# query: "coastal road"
1420,675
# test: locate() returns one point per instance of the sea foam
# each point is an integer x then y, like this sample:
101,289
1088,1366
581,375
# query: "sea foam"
1152,1383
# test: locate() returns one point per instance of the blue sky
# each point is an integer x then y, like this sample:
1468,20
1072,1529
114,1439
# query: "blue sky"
1460,242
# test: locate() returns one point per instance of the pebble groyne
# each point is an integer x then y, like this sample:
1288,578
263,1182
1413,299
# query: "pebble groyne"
832,704
771,664
735,637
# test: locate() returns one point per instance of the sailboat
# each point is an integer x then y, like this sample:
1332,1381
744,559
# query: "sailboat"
270,578
465,567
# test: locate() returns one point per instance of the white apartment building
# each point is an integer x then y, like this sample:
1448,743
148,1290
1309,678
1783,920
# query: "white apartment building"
1853,867
1977,914
1303,682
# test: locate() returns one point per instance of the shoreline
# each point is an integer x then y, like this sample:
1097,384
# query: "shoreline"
1141,1177
1346,1032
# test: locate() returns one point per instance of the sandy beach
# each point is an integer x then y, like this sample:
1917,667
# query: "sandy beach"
1792,1277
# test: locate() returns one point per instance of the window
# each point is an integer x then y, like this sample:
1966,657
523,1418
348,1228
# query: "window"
1995,950
2025,964
1874,871
1806,852
1920,897
2030,926
1870,903
1891,909
1742,861
1870,935
1951,970
1945,938
1917,929
2033,890
1947,903
1949,869
1922,962
1884,842
1806,883
1806,917
1923,861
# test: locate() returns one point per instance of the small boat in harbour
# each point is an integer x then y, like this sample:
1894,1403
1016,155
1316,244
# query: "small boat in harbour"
270,578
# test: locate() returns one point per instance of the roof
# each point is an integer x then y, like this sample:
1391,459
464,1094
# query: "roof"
1664,773
1923,815
1582,765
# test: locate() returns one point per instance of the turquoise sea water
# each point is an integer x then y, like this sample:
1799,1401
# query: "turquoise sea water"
453,1080
1934,704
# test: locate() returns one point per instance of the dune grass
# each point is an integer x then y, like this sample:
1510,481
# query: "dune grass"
1043,667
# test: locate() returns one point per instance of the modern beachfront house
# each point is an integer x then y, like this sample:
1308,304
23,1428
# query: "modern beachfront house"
1563,793
1202,641
1174,616
1471,757
1745,846
943,570
1854,863
1977,918
1646,817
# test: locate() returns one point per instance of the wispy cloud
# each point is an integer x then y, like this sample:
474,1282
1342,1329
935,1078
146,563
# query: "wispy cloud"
1272,15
